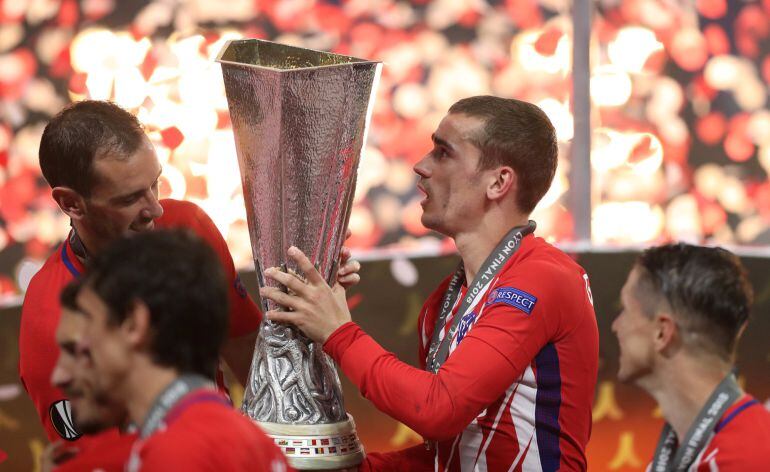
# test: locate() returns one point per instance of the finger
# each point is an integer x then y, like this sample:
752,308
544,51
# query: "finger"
345,255
305,266
350,267
349,280
291,281
283,317
284,299
348,234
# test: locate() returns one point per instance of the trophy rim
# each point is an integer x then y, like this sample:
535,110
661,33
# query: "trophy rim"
355,60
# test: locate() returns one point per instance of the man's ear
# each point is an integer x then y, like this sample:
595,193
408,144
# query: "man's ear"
667,336
505,181
70,202
136,326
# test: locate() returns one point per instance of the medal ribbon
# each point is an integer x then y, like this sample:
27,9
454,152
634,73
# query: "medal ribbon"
669,458
169,398
439,347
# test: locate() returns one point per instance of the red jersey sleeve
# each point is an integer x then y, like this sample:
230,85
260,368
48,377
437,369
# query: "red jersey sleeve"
414,458
245,316
38,351
493,354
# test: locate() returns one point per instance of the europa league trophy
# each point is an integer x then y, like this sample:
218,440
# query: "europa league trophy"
300,119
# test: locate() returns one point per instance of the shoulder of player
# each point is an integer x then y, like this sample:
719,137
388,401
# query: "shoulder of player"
212,419
543,265
180,213
41,286
746,416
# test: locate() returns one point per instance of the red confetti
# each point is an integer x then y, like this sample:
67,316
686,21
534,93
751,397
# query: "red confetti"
68,14
711,128
717,42
713,9
738,147
689,50
524,13
172,137
712,216
546,43
77,83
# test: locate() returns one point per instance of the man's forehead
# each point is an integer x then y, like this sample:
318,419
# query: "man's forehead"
459,127
71,326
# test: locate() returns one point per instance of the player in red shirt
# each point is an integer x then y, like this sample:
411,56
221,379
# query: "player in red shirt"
155,310
509,343
104,175
684,308
95,414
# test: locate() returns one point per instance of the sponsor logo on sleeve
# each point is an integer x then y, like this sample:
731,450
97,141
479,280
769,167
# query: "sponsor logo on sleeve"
514,297
61,419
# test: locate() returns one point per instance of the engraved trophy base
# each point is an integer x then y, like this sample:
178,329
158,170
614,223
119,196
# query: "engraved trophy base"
317,446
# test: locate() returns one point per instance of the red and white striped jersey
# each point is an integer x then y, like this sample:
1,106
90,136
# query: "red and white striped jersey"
516,391
739,442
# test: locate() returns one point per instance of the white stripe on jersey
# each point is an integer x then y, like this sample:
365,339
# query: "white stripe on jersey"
482,455
700,460
523,413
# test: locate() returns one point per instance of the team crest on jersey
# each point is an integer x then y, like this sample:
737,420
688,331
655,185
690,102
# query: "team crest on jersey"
465,324
61,419
514,297
239,288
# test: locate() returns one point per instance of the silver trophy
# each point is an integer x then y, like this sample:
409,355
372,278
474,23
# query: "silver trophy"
300,119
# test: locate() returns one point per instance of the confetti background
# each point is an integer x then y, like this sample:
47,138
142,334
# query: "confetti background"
680,121
680,145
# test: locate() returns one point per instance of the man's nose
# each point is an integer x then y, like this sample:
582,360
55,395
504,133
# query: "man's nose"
421,168
153,210
60,376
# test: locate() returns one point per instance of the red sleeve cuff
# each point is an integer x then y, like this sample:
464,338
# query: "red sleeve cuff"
341,339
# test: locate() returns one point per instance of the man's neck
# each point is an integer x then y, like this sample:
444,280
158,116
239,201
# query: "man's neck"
475,245
683,389
87,240
146,385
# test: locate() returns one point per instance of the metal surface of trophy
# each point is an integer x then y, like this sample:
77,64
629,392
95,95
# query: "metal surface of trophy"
300,119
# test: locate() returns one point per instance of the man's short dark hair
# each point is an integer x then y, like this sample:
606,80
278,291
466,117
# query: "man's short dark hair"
179,278
79,134
706,287
69,294
516,134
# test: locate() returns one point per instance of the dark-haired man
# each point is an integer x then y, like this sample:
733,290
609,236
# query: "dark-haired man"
104,175
683,310
94,413
509,343
155,306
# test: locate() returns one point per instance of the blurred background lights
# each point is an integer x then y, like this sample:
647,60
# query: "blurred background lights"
680,143
610,87
641,41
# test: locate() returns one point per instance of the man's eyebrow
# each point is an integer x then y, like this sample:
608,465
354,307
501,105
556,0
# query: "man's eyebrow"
441,142
84,312
138,192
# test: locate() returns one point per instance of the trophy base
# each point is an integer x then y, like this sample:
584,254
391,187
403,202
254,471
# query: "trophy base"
317,446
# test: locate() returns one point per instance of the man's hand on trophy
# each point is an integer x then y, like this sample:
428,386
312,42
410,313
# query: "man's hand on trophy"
347,275
318,310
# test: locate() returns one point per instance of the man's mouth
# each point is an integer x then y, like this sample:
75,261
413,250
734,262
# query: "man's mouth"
422,189
140,227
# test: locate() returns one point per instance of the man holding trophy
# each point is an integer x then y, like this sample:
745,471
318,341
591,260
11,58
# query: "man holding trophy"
508,344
